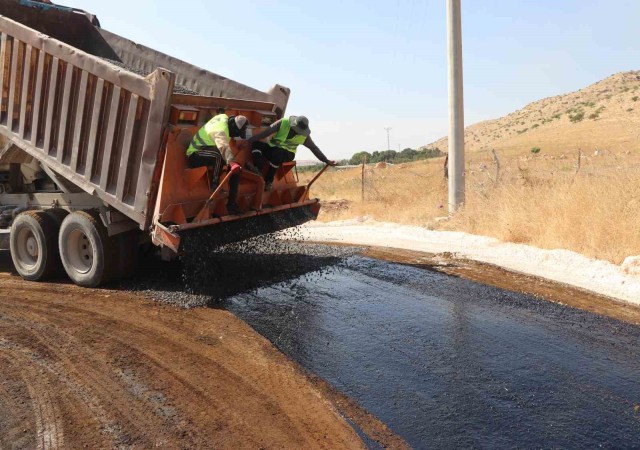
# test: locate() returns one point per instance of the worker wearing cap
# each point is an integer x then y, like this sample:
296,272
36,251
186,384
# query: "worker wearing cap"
286,135
210,146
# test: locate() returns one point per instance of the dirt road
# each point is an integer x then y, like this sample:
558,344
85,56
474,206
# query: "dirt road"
98,368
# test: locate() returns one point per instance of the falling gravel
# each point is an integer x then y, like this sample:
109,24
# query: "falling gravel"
208,273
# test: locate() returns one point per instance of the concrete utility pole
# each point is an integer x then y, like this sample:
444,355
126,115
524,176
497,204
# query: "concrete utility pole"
388,140
456,107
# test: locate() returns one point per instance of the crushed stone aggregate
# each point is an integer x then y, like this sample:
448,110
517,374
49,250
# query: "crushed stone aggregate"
208,273
178,88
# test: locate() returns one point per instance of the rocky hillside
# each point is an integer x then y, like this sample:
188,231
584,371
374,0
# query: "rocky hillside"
603,116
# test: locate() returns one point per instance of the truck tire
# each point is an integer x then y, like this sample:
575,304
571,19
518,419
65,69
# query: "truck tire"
87,252
34,245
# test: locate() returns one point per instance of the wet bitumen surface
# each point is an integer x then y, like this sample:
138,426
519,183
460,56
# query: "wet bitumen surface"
444,362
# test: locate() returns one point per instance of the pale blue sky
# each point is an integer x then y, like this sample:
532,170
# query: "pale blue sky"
355,67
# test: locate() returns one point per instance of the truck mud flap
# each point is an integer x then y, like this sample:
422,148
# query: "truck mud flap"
4,239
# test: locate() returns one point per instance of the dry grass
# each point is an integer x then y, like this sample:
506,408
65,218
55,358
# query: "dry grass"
542,200
412,193
538,200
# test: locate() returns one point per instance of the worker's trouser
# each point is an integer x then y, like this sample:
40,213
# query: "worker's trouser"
211,157
274,155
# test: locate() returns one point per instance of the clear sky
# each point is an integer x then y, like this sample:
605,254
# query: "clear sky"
358,66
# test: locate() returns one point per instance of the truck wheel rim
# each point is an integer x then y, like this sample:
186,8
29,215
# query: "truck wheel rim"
80,251
28,249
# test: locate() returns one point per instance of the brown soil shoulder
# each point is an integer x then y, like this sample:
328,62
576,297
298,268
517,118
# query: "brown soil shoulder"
100,368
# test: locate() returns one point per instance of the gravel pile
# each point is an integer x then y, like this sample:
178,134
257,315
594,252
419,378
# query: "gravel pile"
178,88
208,273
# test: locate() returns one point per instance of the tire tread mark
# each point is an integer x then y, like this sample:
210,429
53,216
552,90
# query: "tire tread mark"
49,430
97,382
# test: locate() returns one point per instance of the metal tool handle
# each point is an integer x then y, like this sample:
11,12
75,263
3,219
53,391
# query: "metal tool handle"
313,180
202,214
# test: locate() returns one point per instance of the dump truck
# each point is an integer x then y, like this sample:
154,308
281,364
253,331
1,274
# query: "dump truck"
93,164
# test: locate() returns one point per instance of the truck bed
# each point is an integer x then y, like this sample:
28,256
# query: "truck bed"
77,100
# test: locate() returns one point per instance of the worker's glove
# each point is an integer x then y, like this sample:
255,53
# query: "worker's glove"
235,167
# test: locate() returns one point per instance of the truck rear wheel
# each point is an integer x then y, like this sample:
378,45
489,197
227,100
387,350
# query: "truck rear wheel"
34,245
87,253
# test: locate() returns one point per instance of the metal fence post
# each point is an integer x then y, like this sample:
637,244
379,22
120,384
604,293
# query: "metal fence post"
364,163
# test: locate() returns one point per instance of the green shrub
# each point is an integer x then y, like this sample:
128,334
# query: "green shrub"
635,99
393,157
535,150
358,157
577,117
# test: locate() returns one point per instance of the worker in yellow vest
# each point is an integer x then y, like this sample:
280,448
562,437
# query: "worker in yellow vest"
286,135
210,146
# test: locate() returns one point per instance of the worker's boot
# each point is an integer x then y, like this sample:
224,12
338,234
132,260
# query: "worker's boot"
233,209
268,180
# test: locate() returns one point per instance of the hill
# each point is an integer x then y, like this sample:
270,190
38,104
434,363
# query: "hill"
603,116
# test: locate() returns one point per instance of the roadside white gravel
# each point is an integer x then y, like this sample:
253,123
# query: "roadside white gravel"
619,282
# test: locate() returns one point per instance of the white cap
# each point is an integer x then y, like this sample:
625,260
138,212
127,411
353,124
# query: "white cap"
241,121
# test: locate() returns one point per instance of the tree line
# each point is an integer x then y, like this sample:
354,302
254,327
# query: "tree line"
394,157
387,156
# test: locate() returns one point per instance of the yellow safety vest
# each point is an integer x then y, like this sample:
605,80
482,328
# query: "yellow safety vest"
280,138
202,139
